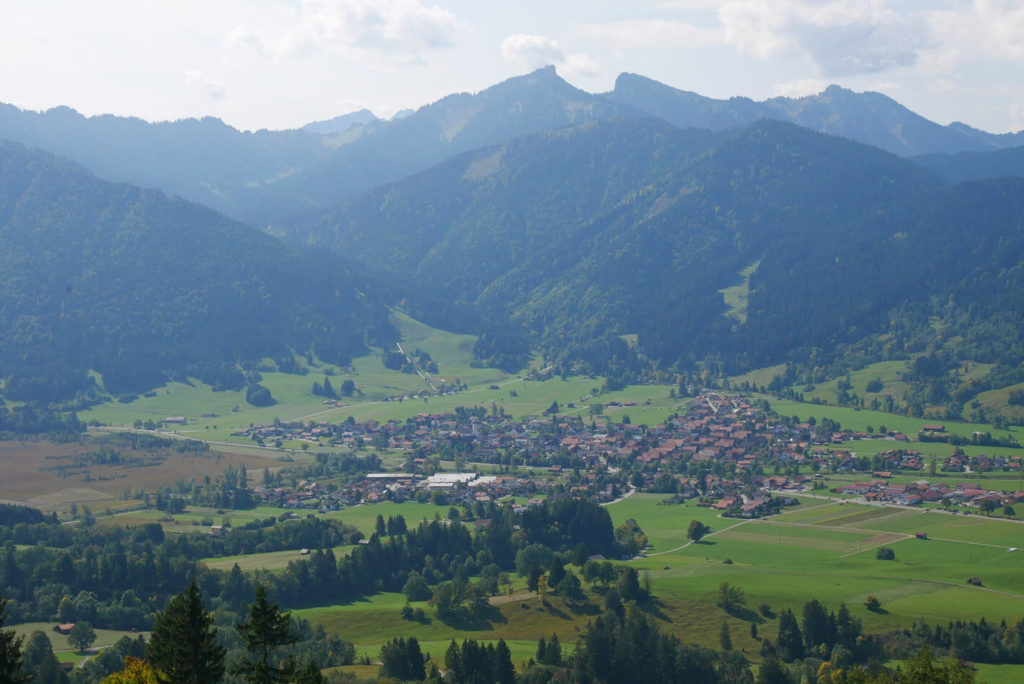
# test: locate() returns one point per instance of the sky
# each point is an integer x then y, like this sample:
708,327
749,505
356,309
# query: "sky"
283,63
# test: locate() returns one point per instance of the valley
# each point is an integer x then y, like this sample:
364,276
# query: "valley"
528,384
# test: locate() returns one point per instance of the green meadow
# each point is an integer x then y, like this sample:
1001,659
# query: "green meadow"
65,651
819,549
383,394
858,420
272,560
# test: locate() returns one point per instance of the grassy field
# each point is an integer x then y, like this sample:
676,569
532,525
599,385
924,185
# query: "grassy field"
858,420
383,394
64,649
821,549
195,517
520,621
890,373
31,474
272,560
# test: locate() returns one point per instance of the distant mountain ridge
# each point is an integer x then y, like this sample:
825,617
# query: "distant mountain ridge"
285,180
340,124
870,118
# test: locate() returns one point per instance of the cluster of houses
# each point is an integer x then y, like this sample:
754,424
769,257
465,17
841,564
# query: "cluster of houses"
464,488
922,491
735,442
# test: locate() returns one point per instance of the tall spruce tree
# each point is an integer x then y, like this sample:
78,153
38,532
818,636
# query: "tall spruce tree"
10,652
790,640
184,642
504,671
265,630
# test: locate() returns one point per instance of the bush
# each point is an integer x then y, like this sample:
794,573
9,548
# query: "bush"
885,553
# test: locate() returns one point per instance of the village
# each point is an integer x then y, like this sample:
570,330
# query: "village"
726,451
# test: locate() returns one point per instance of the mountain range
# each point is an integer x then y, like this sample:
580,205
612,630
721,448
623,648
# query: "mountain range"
642,228
279,179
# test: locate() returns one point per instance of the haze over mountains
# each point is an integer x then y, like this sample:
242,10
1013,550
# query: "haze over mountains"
542,215
269,178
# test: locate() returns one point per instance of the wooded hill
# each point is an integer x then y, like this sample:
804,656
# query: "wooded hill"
136,285
536,214
635,227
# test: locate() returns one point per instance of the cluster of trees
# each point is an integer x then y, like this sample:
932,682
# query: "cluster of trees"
37,419
976,641
476,663
326,388
632,649
118,578
822,634
187,647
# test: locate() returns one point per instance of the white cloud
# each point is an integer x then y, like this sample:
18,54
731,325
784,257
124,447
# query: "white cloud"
205,83
580,65
841,37
400,28
533,51
651,33
1002,23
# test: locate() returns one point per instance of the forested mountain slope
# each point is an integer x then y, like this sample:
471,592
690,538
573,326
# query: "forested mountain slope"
968,166
136,285
634,226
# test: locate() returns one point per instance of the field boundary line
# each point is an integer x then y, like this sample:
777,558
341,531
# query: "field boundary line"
680,548
903,537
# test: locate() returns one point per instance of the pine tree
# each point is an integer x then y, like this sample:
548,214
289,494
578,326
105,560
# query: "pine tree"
453,662
265,630
724,637
791,642
553,653
504,671
10,652
184,642
310,674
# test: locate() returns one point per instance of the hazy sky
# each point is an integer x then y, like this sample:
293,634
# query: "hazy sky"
280,64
